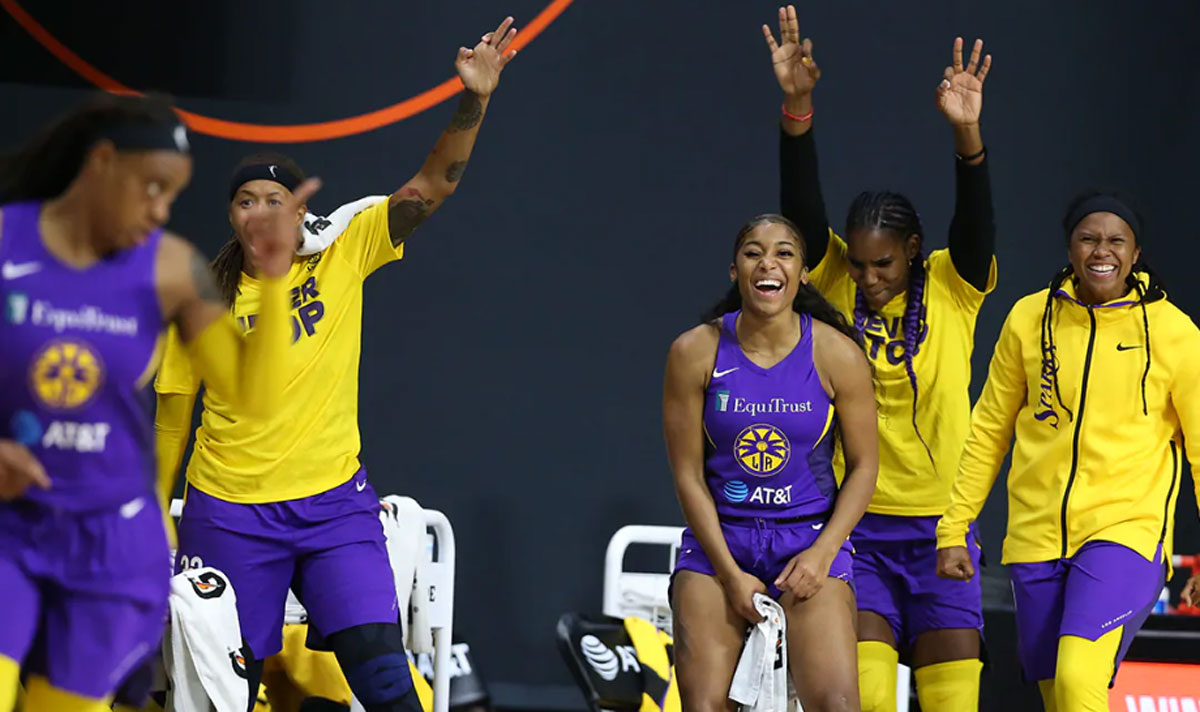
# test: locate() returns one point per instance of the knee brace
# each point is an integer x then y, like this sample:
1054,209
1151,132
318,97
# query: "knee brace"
372,658
877,676
949,686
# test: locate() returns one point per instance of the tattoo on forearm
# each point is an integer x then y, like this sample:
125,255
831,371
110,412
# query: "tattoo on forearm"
202,279
470,112
455,171
406,215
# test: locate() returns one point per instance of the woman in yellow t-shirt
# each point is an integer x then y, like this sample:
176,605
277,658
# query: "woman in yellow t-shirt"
282,501
917,316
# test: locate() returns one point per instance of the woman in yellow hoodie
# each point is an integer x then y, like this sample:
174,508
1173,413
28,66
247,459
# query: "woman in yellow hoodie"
1093,376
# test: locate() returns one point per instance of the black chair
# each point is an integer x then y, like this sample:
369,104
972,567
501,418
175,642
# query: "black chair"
601,658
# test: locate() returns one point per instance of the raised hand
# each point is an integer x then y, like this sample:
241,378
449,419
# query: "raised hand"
271,235
960,95
795,67
480,68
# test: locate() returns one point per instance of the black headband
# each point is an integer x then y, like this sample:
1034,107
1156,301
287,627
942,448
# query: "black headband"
263,171
146,136
1103,204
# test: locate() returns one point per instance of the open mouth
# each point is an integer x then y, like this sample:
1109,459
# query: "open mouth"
1102,271
768,287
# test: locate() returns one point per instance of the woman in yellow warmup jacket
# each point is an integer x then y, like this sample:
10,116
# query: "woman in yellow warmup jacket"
1095,377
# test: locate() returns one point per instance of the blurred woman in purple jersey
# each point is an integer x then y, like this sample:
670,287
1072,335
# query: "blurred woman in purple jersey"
89,281
753,400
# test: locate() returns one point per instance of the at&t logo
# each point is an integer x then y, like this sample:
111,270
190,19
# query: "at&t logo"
604,661
737,492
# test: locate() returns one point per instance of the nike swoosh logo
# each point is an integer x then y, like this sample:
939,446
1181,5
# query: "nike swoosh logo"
718,374
360,486
818,527
130,509
11,270
1122,347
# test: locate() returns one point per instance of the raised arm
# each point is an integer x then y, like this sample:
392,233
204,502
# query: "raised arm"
847,377
972,237
800,197
479,69
689,361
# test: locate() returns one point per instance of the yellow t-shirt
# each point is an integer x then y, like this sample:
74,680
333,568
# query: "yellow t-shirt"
311,444
909,484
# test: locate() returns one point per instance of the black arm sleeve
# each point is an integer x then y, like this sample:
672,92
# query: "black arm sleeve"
973,230
800,198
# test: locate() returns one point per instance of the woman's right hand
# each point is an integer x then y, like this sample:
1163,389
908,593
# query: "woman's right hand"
19,470
954,562
795,67
739,590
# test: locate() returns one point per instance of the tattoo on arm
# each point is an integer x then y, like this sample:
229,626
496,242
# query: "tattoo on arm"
455,171
406,215
202,280
469,114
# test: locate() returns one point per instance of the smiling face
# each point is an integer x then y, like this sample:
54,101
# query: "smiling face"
769,269
1102,250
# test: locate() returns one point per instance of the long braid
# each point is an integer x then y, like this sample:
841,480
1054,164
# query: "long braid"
227,268
1049,356
884,210
1143,294
914,326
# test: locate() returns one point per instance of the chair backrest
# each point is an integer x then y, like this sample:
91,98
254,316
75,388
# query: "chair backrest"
644,595
602,660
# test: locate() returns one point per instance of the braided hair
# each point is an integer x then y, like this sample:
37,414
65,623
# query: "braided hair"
808,300
231,259
1153,292
884,210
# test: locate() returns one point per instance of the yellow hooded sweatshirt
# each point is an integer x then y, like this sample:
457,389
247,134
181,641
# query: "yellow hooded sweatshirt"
1101,402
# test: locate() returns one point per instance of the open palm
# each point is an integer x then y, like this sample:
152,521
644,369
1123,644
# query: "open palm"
960,95
480,67
792,58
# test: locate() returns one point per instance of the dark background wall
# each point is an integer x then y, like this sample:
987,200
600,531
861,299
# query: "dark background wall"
512,362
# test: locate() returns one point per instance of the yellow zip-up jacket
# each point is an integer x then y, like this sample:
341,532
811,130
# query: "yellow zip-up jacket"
1099,468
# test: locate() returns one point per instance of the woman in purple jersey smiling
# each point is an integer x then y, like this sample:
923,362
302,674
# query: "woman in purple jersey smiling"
753,399
89,281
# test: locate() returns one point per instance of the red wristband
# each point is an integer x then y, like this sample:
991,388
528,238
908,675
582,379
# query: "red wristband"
793,117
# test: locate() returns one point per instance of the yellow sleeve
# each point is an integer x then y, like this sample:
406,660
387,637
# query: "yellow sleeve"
992,423
1185,396
175,373
367,243
251,379
964,294
832,266
172,420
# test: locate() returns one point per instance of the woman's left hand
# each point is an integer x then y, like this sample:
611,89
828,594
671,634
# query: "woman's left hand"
960,95
805,574
480,68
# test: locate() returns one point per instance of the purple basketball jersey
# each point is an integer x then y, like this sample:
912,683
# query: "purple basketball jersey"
76,352
769,432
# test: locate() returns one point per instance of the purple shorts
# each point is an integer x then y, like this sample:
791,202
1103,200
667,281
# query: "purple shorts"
895,565
85,595
328,548
1104,586
763,549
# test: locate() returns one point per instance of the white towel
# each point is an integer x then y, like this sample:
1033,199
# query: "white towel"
761,682
203,651
404,527
319,232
